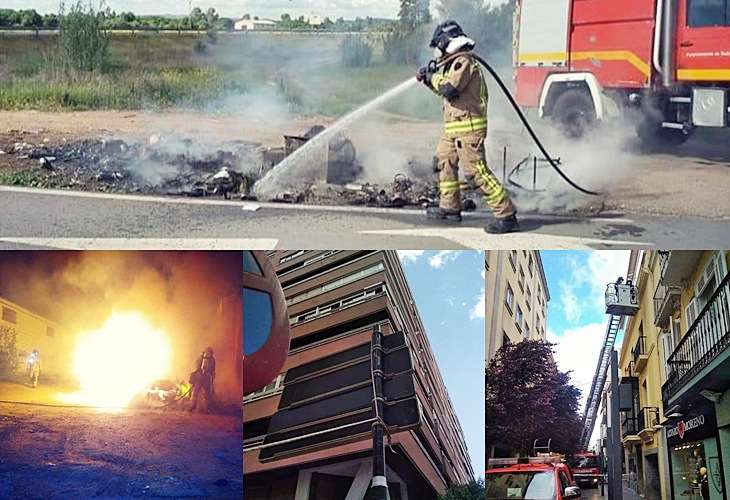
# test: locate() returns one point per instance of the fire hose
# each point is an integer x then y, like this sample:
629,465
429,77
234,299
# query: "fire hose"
520,114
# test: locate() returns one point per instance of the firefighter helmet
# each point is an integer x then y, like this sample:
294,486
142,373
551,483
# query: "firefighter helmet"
208,350
449,38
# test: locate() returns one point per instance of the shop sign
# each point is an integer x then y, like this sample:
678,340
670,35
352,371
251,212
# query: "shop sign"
697,424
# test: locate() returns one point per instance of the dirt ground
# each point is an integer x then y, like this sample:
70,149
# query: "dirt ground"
689,180
69,453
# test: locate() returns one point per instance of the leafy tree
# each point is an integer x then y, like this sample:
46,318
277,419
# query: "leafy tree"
472,491
9,353
82,43
30,18
414,13
489,25
528,398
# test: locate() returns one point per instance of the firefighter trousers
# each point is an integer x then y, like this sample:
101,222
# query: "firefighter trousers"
468,150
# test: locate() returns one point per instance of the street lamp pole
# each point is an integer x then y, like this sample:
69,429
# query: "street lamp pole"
379,484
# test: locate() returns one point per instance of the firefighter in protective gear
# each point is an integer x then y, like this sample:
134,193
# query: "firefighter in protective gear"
456,76
203,379
33,368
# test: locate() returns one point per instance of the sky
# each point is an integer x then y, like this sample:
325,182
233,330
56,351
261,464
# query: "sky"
349,9
448,287
576,312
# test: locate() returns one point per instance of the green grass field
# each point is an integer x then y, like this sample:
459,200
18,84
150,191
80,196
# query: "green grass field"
160,71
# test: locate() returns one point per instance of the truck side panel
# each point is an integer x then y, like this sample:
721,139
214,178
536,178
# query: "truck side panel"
540,46
613,40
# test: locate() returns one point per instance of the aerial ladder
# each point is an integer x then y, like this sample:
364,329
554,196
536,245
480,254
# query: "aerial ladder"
622,299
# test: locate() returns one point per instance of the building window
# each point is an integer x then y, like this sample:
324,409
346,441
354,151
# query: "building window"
537,322
333,307
275,387
332,285
50,331
292,256
513,259
505,338
529,266
510,299
486,260
528,297
521,279
518,318
10,315
527,332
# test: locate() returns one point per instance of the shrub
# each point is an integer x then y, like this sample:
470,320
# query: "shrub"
9,353
82,43
356,52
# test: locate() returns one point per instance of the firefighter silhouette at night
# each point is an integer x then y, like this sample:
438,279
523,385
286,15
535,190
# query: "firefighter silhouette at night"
203,379
33,368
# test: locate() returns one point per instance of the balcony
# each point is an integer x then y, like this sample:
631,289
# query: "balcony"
629,428
707,338
666,301
677,266
648,418
639,354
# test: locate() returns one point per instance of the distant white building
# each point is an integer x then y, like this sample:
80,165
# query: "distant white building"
254,24
315,20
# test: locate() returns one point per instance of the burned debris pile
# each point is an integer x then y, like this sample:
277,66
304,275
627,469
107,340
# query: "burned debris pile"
172,165
160,165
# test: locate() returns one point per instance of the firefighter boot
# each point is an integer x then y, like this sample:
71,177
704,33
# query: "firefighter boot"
501,226
440,214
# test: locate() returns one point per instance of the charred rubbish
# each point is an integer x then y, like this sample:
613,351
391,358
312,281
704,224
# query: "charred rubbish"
173,165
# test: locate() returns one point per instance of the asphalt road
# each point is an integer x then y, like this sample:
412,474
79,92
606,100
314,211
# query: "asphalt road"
32,218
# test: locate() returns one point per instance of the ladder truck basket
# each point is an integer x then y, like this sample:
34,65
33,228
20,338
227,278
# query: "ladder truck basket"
622,299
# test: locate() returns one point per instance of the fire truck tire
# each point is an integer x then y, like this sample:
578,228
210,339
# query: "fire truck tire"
574,113
653,134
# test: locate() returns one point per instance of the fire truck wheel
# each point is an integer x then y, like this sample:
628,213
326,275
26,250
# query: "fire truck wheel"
573,113
653,134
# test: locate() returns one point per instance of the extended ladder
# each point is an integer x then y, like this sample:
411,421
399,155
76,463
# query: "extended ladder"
599,380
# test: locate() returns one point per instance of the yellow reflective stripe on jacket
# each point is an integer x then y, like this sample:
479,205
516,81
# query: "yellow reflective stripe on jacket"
464,126
449,187
437,80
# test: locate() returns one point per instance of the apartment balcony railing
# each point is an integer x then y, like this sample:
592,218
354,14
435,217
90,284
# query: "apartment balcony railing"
665,298
648,418
639,352
707,337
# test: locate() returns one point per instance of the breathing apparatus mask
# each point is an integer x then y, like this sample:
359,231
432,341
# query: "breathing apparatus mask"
448,38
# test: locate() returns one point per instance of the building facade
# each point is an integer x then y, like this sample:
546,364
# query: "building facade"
35,332
335,298
675,359
516,298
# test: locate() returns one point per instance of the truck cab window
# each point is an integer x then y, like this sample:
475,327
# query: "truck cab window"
702,13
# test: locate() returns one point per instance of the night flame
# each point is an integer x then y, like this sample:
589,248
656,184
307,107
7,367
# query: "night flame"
119,361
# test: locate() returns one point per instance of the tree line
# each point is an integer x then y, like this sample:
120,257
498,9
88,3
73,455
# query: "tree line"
198,19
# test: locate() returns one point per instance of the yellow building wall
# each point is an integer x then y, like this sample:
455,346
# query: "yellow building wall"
33,333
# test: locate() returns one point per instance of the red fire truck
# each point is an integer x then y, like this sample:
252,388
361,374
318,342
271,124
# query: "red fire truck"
585,469
666,63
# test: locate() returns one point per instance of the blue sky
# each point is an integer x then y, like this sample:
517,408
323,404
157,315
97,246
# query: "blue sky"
448,287
576,312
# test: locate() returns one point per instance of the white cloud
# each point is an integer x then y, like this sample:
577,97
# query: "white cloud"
578,350
443,257
450,301
601,268
484,274
409,256
480,309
